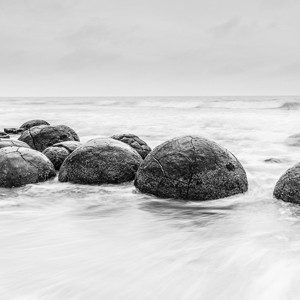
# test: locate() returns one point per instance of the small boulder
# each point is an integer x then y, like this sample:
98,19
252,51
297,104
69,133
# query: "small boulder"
60,151
293,140
12,143
44,136
287,187
135,142
20,166
273,160
13,130
3,135
27,125
101,160
191,168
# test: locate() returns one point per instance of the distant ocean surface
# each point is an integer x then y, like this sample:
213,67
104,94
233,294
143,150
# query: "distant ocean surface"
70,241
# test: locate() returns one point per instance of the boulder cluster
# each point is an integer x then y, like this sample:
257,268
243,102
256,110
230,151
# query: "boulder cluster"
186,167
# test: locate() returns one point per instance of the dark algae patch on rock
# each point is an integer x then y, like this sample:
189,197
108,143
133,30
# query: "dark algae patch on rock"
191,168
99,161
135,142
29,124
288,186
44,136
20,166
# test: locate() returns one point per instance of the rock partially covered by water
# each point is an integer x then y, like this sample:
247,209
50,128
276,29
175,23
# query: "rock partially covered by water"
135,142
33,123
44,136
20,166
191,168
12,143
3,135
99,161
13,130
60,151
288,186
293,140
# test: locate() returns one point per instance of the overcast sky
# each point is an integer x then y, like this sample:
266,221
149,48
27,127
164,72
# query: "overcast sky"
153,47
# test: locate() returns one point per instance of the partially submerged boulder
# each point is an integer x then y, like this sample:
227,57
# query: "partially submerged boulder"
287,187
20,166
293,140
44,136
60,151
12,143
135,142
191,168
4,135
33,123
13,130
101,160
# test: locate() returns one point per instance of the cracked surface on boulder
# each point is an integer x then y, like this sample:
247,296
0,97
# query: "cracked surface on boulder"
99,161
12,143
191,168
44,136
135,142
20,166
287,187
27,125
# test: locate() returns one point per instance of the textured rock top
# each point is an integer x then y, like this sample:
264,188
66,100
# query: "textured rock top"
33,123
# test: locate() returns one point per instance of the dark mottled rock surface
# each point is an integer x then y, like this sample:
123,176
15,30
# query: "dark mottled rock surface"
288,186
4,135
101,160
14,130
33,123
135,142
60,151
20,166
191,168
12,143
44,136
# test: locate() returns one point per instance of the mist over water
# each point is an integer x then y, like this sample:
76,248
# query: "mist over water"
69,241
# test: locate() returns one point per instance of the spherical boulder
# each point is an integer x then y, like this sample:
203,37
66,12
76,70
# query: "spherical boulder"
20,166
287,187
4,135
101,160
135,142
44,136
191,168
60,151
33,123
12,143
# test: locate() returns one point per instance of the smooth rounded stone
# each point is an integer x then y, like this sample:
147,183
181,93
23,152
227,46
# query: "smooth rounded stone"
13,130
3,135
27,125
101,160
287,187
293,140
56,155
135,142
44,136
12,143
20,166
191,168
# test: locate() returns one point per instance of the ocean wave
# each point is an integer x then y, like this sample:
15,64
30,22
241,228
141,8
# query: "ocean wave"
290,106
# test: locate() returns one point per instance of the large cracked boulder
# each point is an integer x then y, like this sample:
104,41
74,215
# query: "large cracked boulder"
60,151
101,160
12,143
20,166
191,168
27,125
135,142
44,136
288,186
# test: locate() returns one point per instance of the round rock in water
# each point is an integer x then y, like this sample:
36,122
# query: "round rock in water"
4,135
293,140
60,151
12,143
20,166
135,142
288,186
99,161
191,168
33,123
44,136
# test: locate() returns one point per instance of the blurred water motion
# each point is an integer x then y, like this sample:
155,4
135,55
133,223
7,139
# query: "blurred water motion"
67,241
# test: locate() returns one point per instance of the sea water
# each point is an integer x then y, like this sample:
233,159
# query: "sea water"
71,241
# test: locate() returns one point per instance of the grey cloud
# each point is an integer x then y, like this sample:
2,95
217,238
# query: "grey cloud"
225,29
